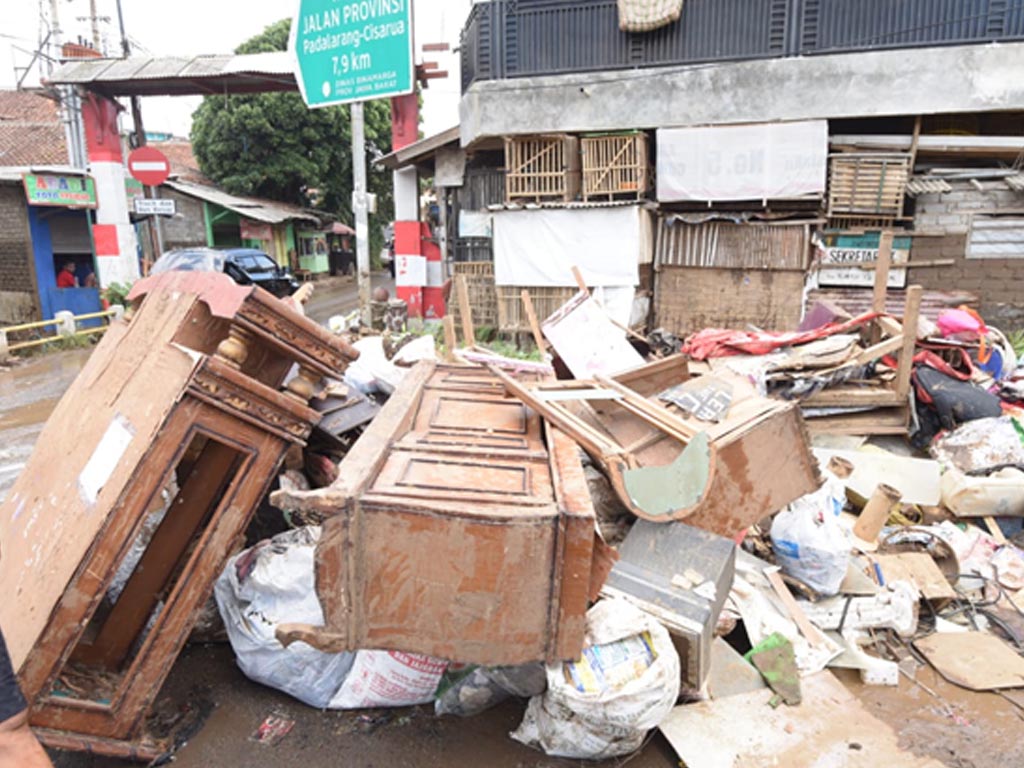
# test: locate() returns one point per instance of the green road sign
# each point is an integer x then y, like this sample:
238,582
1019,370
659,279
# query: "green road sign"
352,50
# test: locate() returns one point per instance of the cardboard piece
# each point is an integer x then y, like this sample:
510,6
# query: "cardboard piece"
587,340
917,480
977,661
744,731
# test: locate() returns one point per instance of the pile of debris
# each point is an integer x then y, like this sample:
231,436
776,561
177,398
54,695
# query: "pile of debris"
638,544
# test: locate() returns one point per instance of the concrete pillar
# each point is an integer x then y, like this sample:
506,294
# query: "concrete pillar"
410,264
65,322
113,234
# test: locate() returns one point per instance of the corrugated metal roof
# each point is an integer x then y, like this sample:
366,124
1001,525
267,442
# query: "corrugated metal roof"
922,185
266,211
181,75
13,173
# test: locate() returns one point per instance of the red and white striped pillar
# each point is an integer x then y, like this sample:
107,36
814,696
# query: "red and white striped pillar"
418,269
113,234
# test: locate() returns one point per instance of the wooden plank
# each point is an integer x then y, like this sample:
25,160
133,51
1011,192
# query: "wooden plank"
580,282
807,629
531,316
450,339
881,281
910,316
851,397
465,311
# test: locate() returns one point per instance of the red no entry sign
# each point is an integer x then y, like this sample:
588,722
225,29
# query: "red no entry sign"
149,165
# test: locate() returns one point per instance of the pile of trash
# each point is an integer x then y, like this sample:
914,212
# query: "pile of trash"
888,559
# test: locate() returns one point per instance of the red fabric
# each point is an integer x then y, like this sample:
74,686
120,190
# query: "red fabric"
65,279
717,342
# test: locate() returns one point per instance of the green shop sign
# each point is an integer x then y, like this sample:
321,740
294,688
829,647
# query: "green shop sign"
63,191
352,50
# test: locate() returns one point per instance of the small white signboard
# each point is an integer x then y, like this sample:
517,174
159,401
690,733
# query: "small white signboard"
146,206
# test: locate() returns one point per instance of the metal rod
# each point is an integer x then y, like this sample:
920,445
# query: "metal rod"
359,205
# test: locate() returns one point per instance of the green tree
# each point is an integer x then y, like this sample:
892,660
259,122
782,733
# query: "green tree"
271,145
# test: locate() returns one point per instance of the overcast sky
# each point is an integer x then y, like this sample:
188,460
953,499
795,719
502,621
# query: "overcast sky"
192,27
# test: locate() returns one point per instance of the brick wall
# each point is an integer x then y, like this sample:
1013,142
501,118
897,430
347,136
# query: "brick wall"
15,272
187,228
943,224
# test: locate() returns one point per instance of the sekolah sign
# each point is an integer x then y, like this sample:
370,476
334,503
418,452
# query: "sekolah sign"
352,50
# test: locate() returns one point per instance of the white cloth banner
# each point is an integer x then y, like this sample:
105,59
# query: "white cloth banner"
743,162
540,247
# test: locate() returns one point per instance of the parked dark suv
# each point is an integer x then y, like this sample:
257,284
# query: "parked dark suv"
246,266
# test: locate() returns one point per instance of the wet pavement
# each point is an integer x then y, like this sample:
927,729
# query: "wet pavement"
29,391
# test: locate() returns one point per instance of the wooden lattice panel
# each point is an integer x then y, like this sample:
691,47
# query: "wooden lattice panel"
539,168
511,313
868,184
482,296
615,166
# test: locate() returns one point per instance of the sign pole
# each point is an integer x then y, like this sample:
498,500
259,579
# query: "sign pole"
359,205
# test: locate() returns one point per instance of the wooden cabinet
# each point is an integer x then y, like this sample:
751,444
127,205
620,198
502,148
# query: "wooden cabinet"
139,488
459,527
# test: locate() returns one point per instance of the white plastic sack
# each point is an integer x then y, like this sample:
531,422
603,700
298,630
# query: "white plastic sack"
270,584
1000,494
809,542
373,372
273,583
618,706
389,679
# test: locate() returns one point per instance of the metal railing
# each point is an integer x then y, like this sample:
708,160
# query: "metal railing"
66,323
522,38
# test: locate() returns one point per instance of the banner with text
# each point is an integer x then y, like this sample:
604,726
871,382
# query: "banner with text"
766,161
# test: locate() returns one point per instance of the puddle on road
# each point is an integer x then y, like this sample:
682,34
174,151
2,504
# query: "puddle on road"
28,395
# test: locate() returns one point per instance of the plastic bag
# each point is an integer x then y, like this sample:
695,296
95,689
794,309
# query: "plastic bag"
602,705
1000,494
476,689
389,679
472,690
273,583
810,543
269,584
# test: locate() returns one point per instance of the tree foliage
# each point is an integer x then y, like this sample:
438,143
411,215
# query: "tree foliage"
271,145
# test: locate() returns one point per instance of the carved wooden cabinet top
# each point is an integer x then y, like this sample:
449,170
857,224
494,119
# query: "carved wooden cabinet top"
459,527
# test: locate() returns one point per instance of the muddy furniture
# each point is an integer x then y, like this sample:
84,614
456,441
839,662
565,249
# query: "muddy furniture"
139,487
457,527
750,464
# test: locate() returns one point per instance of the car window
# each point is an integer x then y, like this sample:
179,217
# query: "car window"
246,262
263,263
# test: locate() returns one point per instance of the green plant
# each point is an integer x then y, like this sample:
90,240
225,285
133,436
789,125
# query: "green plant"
1016,339
117,293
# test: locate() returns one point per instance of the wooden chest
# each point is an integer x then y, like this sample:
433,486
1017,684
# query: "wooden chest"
458,528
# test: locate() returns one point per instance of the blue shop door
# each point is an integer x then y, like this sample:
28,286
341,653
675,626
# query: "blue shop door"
60,236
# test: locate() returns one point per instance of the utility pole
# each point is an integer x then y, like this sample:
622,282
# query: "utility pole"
360,208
